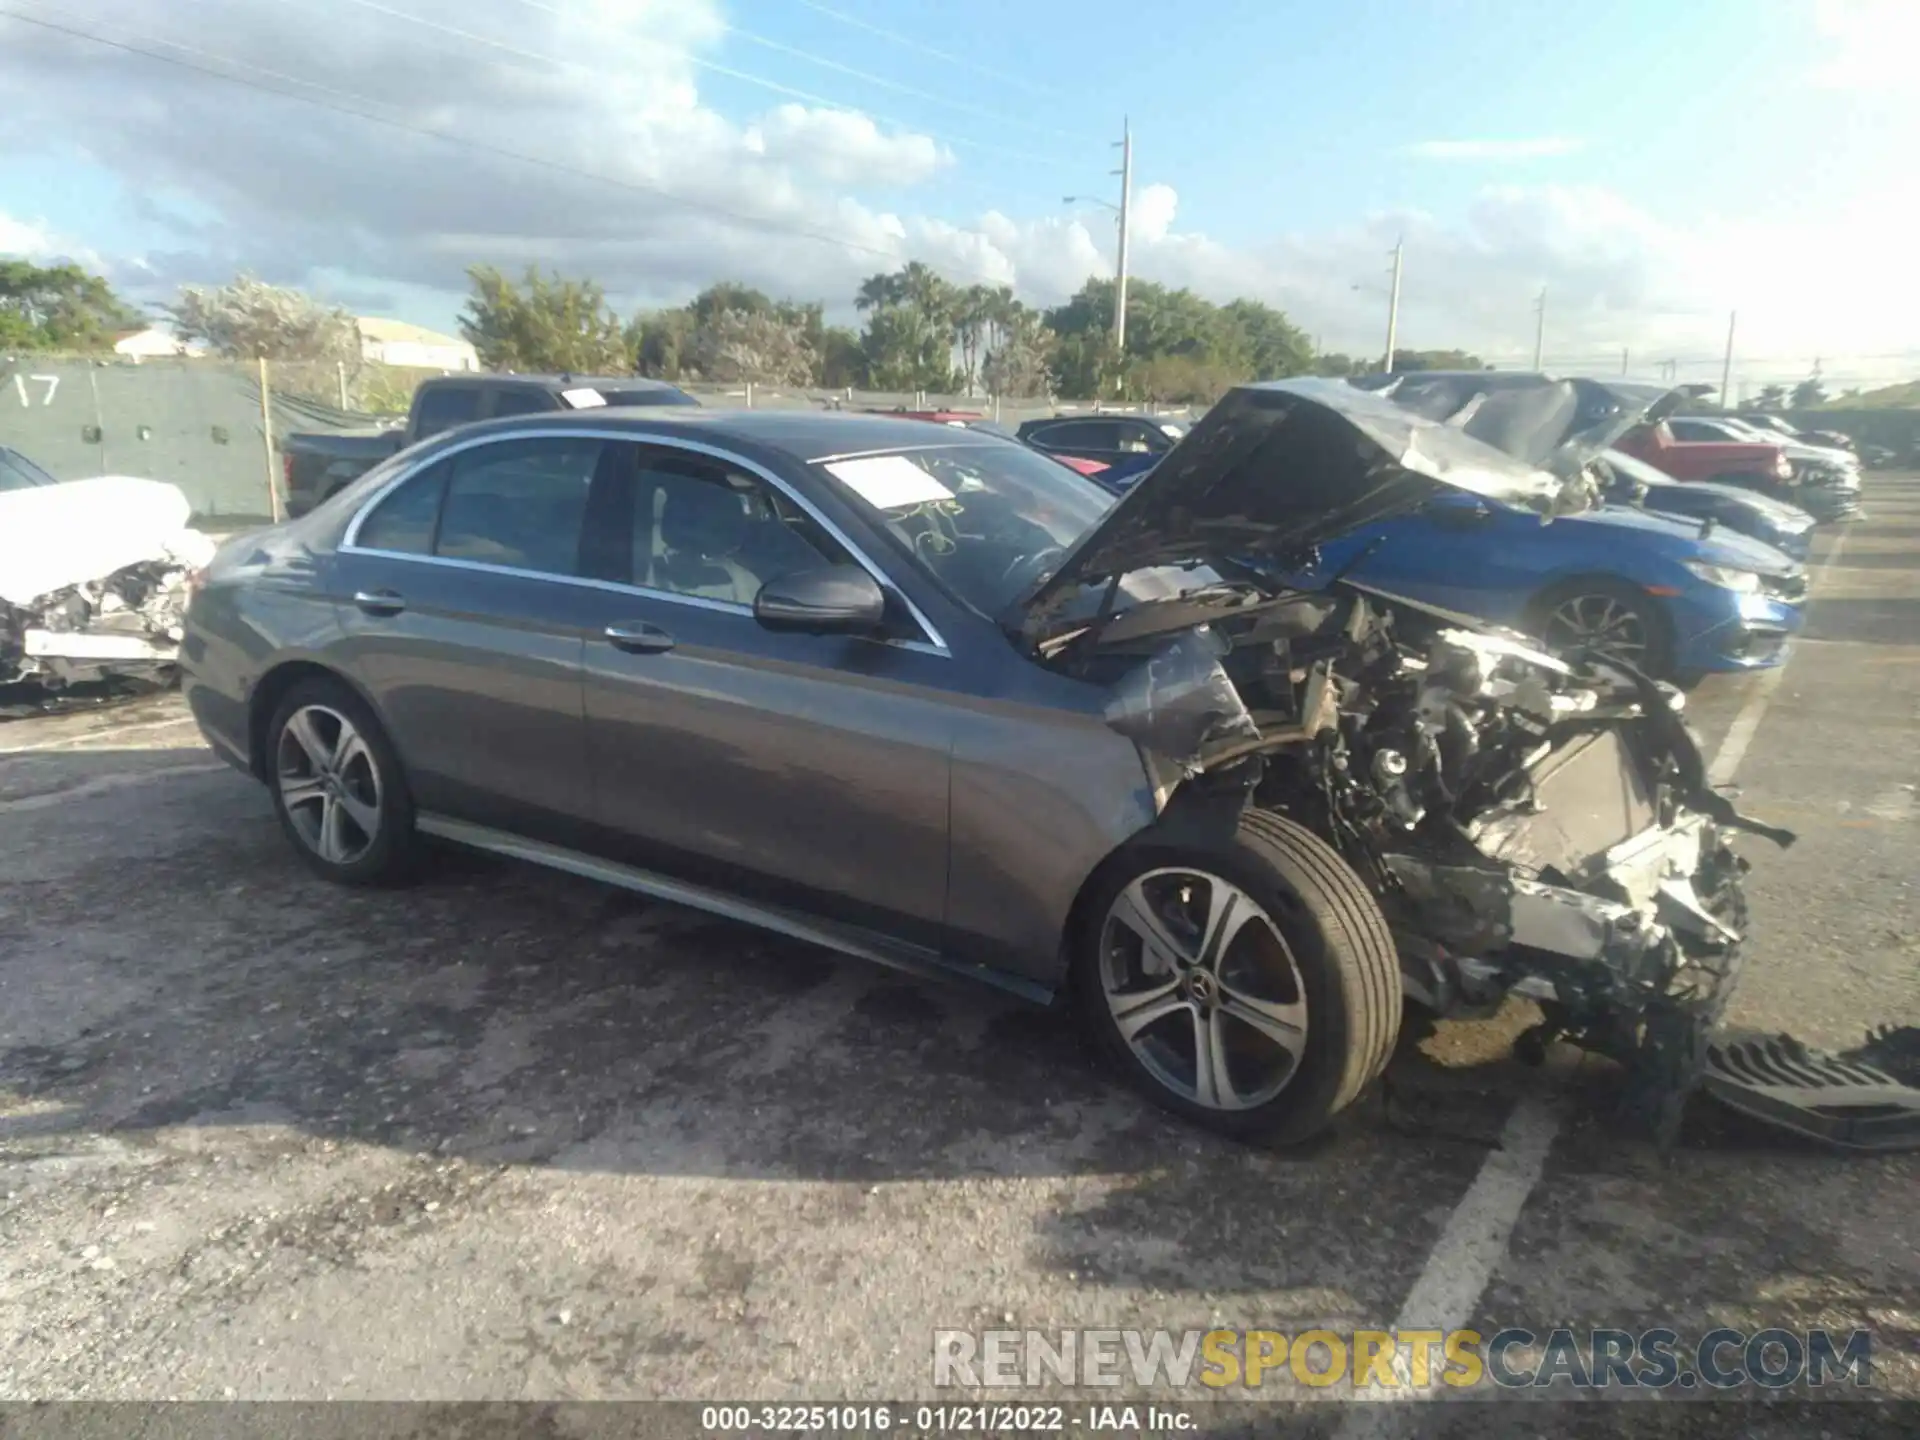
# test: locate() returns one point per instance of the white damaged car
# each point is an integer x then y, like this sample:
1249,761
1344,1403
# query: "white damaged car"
94,575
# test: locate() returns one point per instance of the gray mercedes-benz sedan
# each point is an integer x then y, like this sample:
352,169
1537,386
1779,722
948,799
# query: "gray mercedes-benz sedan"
922,695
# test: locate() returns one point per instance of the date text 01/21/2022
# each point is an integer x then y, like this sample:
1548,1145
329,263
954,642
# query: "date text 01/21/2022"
961,1419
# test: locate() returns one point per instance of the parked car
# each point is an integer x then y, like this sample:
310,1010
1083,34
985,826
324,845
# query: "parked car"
1826,494
1779,425
319,464
981,425
1650,589
93,575
1128,445
1801,453
1787,528
923,697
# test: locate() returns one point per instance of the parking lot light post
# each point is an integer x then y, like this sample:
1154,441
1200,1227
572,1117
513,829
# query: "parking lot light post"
1393,305
1539,327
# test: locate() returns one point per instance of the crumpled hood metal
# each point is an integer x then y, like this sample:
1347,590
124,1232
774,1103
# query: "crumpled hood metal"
54,536
1277,468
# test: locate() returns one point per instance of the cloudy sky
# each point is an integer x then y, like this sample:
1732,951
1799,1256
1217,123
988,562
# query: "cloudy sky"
1651,166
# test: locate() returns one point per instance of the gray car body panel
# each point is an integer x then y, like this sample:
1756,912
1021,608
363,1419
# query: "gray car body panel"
937,801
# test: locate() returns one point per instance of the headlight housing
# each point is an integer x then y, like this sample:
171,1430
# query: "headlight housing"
1782,466
1742,582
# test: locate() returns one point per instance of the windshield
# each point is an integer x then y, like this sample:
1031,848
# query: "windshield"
649,397
19,473
984,520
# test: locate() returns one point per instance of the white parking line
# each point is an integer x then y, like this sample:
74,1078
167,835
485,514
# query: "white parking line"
1475,1237
79,742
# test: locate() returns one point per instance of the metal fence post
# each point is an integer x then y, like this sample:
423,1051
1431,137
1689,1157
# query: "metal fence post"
340,374
749,394
266,440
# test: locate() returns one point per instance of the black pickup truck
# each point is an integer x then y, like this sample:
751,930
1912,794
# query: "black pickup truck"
318,463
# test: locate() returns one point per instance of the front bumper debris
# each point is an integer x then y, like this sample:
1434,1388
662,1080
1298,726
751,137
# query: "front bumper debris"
1849,1100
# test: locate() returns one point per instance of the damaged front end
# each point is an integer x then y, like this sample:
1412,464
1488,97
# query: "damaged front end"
95,576
1530,826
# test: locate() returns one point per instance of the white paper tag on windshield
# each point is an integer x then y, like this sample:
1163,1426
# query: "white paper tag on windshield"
584,398
887,481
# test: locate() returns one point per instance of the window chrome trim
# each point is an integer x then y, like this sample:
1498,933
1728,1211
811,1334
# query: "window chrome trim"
934,644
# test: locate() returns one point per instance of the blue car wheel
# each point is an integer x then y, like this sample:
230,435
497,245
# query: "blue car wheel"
1598,613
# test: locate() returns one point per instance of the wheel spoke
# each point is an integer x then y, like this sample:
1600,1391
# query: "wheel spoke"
333,842
1284,1024
307,736
301,790
366,817
1228,913
349,748
1134,911
1212,1085
1135,1011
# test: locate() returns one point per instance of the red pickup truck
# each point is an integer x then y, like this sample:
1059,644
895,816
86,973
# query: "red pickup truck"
1756,466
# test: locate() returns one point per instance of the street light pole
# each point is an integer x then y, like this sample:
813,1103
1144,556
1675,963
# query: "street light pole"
1126,204
1393,305
1726,368
1540,327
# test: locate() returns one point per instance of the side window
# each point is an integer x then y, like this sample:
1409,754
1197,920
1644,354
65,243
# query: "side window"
442,407
403,522
1073,435
1138,439
519,503
707,531
519,400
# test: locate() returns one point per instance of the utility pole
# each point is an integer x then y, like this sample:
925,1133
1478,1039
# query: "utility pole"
1726,369
1125,172
1393,305
1539,326
1623,359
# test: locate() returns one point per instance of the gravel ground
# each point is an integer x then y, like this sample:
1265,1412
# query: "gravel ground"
507,1135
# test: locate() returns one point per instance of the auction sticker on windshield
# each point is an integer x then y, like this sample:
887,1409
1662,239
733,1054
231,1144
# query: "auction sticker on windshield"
888,481
583,398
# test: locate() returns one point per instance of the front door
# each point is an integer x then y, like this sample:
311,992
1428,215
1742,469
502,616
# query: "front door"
805,771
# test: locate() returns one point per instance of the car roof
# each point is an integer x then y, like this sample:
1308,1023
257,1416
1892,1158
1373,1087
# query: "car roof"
805,435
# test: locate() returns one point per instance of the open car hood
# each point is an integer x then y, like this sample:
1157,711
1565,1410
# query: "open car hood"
1275,469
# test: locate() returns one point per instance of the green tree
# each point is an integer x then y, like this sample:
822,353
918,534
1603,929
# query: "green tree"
542,323
1405,360
909,339
58,307
1337,365
1771,397
1809,394
842,362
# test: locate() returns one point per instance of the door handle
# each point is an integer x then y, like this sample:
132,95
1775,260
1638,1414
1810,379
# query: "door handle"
380,602
638,638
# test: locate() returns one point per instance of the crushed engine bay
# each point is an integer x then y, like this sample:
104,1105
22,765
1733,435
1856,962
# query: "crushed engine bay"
1530,825
94,580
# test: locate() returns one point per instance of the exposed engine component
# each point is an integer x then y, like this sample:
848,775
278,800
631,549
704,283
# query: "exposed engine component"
1529,824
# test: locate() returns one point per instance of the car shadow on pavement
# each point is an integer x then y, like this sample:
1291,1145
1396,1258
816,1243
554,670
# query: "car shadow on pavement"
166,989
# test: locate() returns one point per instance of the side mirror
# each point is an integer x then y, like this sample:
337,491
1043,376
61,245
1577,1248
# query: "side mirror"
833,600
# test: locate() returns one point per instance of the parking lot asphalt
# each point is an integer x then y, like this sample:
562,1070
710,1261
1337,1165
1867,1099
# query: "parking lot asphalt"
506,1134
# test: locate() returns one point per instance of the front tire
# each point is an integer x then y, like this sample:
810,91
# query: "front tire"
1254,990
1610,617
338,788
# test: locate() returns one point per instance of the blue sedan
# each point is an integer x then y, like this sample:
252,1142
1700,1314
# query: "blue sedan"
1649,588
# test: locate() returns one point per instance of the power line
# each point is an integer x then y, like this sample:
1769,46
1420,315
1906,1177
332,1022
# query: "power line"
717,68
912,44
758,222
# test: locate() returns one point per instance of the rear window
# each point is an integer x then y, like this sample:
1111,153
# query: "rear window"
441,407
649,397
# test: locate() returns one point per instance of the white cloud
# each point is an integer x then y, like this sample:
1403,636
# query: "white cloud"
654,192
1871,44
26,239
1539,148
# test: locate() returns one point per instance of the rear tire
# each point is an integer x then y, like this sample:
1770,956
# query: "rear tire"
339,791
1254,990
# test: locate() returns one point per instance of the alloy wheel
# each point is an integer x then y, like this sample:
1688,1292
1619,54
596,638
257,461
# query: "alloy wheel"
1203,989
1599,622
329,783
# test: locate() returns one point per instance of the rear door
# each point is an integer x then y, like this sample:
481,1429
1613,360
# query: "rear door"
804,771
464,593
